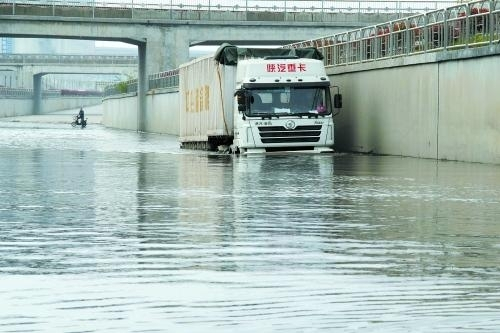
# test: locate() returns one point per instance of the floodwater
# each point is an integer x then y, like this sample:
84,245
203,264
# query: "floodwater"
104,230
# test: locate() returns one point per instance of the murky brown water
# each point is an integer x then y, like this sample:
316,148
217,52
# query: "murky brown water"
114,231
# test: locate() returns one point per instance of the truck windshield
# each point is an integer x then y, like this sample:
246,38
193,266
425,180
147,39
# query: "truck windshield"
282,101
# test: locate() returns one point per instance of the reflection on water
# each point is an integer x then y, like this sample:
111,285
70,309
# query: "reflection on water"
114,231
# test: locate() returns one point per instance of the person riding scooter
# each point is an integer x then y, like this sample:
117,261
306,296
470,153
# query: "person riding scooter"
80,120
79,117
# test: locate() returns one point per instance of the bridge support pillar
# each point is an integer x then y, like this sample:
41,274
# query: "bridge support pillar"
177,53
142,87
166,50
159,53
37,93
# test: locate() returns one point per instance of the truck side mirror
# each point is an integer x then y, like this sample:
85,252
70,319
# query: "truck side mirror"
241,100
337,101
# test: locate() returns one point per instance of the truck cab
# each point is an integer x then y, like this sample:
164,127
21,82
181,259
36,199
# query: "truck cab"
284,104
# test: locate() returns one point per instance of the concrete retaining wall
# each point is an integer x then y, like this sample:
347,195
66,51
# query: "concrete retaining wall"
65,103
469,110
388,111
120,112
163,117
13,107
442,106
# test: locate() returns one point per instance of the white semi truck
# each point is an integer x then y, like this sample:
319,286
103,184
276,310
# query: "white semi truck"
251,100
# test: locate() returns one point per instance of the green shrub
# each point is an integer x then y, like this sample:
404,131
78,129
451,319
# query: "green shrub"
122,87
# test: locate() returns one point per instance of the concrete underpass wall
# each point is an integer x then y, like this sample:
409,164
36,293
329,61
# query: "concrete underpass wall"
65,103
13,107
163,116
429,106
120,112
469,110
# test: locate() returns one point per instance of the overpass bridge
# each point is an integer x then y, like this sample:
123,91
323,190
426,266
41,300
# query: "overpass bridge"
26,66
66,60
31,68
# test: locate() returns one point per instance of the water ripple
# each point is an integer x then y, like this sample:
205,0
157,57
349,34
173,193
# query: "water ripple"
114,231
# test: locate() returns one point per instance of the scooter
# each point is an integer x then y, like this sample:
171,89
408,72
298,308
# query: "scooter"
76,122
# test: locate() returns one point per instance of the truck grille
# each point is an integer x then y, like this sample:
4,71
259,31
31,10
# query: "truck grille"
279,134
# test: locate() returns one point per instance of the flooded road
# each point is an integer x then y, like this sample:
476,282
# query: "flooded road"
113,231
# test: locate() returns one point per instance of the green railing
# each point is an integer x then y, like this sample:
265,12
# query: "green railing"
465,25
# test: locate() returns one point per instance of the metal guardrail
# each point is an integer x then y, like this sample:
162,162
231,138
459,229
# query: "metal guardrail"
465,25
51,93
167,79
169,9
62,59
15,93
